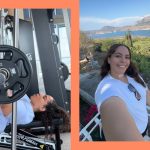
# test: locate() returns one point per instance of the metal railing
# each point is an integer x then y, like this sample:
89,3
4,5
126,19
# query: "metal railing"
85,133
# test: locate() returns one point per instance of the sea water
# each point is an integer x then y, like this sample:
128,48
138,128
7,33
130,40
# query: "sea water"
137,33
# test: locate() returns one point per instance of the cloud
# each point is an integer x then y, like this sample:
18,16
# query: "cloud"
91,23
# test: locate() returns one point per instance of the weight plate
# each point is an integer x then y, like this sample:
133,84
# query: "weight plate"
15,74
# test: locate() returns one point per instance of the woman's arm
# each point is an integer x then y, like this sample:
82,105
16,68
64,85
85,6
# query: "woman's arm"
118,125
25,112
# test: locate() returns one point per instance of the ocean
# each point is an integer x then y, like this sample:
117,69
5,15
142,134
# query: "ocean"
138,33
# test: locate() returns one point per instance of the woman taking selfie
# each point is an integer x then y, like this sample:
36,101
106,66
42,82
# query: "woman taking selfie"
121,97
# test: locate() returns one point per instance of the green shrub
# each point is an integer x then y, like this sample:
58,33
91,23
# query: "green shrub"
140,51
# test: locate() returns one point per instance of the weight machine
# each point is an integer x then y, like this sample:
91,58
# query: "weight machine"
18,72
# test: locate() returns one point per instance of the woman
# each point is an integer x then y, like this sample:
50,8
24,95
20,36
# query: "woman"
121,97
25,109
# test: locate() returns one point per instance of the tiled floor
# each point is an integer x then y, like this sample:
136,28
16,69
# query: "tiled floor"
66,141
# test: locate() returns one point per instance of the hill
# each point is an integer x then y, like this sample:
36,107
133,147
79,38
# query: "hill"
143,24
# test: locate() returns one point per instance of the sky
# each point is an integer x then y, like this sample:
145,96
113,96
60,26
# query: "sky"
94,14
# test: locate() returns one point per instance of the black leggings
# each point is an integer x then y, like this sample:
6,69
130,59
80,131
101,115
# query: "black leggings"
103,137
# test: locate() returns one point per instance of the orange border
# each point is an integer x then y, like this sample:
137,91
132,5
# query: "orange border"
75,76
35,3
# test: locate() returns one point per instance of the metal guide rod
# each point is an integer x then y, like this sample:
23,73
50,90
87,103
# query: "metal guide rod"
67,24
14,110
2,27
60,54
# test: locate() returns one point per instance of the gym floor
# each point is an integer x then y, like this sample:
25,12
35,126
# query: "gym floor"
66,141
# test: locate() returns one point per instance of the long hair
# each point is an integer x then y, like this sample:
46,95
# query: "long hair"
132,70
53,111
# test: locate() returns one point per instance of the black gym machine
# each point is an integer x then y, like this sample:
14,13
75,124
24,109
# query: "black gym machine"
18,73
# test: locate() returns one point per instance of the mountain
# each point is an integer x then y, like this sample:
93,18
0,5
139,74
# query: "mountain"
106,28
144,21
143,24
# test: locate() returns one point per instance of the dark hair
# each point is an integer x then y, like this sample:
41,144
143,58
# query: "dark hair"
53,111
132,71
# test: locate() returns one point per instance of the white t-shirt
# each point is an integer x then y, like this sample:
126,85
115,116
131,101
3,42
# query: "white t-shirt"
25,113
110,86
